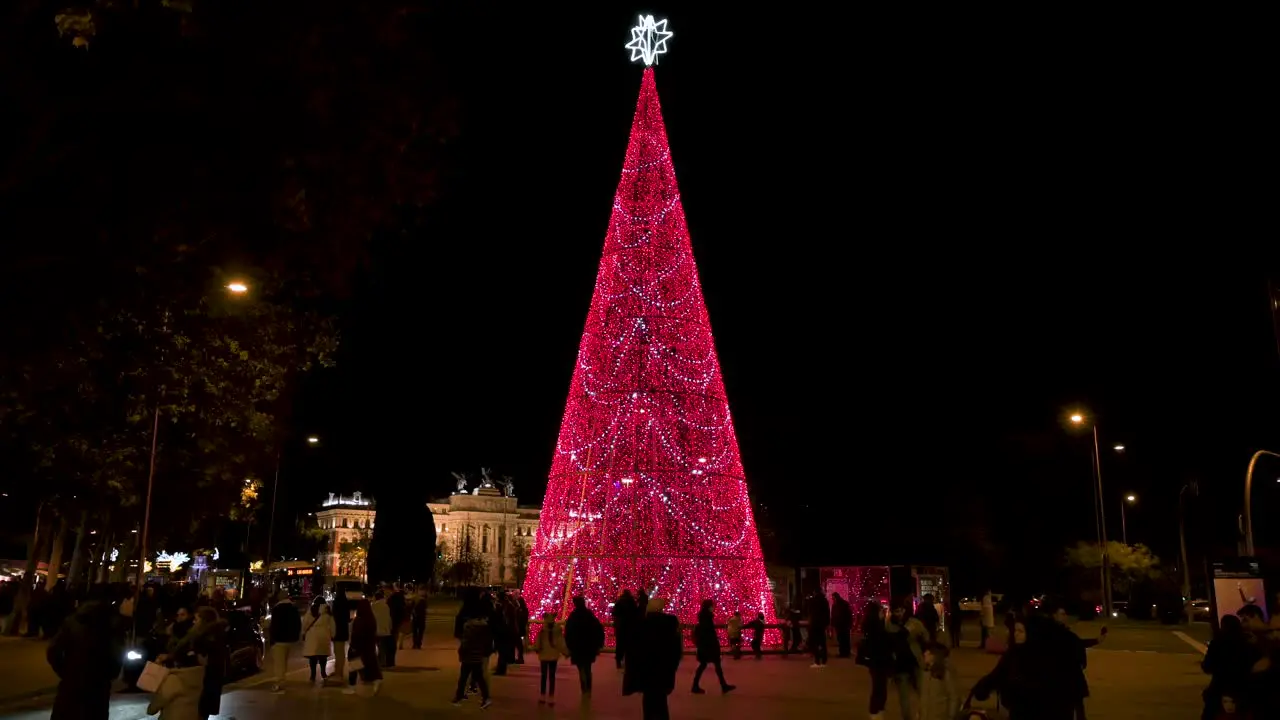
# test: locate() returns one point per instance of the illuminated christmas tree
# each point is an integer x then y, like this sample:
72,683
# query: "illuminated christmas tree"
646,489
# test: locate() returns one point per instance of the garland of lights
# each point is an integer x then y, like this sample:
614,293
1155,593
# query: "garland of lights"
646,489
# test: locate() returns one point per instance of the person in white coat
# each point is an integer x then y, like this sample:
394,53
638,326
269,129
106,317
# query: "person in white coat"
317,634
988,617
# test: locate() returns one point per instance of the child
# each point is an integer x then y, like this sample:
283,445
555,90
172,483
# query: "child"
550,647
938,699
734,631
757,637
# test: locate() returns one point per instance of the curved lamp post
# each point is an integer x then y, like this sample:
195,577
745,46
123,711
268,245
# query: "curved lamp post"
1248,500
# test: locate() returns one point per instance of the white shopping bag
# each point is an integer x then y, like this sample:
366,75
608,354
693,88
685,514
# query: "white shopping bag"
152,676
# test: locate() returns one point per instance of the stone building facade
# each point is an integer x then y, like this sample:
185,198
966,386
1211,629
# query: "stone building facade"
491,524
344,517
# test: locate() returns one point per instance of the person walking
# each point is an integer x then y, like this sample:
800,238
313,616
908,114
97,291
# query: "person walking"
757,636
927,614
875,652
85,654
653,661
317,636
625,616
988,617
362,654
341,634
475,643
386,637
522,628
707,644
908,636
284,630
819,621
550,647
939,699
842,623
584,636
733,630
418,615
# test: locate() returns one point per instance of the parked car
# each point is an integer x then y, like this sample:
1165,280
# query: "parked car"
1119,609
246,647
246,644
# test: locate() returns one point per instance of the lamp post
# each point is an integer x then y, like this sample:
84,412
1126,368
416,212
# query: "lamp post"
1248,501
237,288
1124,530
1079,419
1194,487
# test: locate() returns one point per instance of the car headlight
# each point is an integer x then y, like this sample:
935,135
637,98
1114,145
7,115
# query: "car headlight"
133,655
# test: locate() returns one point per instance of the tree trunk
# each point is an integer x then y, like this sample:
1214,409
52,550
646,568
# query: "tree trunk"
77,552
55,557
38,534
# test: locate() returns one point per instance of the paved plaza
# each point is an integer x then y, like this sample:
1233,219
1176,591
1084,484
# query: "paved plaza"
1128,683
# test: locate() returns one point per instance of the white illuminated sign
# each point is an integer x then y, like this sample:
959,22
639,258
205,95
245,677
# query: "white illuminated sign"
649,40
176,560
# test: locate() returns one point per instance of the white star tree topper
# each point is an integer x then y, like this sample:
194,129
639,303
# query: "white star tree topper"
649,40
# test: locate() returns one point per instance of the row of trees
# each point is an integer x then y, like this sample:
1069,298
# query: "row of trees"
467,566
156,161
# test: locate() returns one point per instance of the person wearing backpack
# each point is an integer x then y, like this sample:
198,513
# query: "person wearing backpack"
584,636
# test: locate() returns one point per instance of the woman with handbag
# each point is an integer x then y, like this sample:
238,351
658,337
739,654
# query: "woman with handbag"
362,654
875,651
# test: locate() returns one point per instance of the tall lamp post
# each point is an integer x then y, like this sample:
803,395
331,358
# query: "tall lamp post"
1124,528
236,288
1079,419
312,441
1194,487
1248,500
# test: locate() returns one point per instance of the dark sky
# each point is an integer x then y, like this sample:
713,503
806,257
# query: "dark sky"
920,244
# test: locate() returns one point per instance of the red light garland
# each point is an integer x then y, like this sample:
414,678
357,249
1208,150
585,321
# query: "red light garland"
646,489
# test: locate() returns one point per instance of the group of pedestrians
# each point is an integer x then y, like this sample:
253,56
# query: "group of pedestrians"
1244,662
1039,676
489,625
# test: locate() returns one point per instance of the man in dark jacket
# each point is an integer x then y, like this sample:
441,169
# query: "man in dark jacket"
819,621
399,612
85,655
625,617
842,622
653,660
476,643
418,618
283,630
342,609
584,636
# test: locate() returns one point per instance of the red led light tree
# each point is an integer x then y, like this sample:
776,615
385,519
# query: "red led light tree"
646,489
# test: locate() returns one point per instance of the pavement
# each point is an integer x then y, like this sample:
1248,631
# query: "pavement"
1136,674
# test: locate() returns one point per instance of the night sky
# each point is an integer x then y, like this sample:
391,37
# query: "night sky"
921,246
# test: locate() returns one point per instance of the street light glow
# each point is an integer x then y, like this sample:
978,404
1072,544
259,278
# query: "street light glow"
1077,418
1119,448
237,287
1131,498
313,439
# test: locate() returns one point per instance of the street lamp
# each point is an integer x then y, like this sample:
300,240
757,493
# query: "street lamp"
1248,500
1124,530
313,440
1078,418
238,287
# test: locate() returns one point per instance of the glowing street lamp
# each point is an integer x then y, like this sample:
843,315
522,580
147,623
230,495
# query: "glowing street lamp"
1129,499
238,287
1078,418
312,440
1118,448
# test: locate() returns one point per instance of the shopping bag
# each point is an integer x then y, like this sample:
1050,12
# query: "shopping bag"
152,676
355,665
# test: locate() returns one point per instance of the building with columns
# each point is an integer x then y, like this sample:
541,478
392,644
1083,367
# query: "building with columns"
345,518
490,523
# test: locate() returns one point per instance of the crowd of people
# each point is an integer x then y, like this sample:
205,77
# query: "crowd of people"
1039,674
